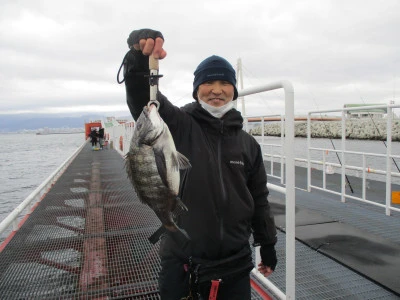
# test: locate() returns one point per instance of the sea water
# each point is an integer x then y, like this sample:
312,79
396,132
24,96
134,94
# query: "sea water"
26,160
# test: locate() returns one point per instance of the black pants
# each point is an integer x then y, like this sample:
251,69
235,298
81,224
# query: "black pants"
174,283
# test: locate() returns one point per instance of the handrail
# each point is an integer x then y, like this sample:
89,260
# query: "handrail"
37,193
389,156
342,164
272,287
290,179
350,167
367,107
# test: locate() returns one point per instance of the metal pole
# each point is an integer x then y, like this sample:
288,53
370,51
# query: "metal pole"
388,161
308,153
323,170
290,191
262,130
282,149
290,178
364,181
239,84
343,198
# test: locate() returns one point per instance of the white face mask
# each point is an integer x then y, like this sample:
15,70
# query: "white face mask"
217,112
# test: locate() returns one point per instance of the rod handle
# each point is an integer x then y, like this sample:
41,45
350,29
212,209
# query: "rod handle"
153,63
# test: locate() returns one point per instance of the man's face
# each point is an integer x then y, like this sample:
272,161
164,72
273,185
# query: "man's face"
216,93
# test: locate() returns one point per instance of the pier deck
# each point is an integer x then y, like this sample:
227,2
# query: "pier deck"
361,243
87,239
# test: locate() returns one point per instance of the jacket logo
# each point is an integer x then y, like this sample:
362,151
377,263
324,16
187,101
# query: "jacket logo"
236,162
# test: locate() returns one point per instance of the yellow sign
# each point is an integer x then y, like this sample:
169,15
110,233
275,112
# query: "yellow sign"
396,197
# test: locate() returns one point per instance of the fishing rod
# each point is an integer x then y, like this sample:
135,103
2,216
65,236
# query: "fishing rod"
333,145
337,155
377,129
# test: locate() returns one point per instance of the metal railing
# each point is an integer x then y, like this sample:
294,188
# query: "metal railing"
270,285
271,147
364,169
273,154
389,157
289,191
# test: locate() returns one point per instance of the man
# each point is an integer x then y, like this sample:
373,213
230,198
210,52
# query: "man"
93,138
101,138
225,190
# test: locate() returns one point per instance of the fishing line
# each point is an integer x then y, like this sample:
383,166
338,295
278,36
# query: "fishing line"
333,145
257,97
377,129
187,97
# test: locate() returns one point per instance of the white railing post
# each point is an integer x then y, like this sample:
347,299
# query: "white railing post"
308,152
364,180
388,158
323,169
290,178
262,130
282,149
343,185
290,192
272,160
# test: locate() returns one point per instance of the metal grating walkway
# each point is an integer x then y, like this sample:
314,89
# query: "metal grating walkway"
319,277
87,239
362,268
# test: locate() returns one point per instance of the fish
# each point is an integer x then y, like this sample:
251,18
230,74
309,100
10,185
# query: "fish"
153,165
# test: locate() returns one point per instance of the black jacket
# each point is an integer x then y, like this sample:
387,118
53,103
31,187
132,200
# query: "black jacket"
225,190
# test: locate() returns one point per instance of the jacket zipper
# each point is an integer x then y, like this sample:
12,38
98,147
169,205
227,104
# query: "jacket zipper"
224,200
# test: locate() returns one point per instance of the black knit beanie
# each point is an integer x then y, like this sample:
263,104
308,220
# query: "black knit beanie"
214,68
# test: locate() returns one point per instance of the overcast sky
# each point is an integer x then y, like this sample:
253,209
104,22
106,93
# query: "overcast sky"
63,56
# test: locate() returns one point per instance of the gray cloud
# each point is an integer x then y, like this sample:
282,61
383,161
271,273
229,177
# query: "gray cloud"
56,55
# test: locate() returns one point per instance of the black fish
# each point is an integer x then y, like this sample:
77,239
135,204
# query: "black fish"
153,165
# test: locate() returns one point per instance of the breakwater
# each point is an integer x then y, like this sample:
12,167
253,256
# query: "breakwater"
362,129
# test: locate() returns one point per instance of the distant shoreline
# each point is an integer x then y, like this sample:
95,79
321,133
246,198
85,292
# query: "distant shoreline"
356,129
39,133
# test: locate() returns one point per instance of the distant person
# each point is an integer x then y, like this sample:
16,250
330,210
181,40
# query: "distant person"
225,191
93,138
101,138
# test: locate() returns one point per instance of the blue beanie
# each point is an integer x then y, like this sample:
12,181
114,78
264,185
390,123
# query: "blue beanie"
214,68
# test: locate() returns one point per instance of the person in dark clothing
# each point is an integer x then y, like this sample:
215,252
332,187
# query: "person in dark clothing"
101,138
225,190
93,137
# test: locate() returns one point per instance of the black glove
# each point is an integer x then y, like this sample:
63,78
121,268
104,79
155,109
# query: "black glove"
139,34
268,256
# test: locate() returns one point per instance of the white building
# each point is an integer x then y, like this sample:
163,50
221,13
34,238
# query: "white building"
376,113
